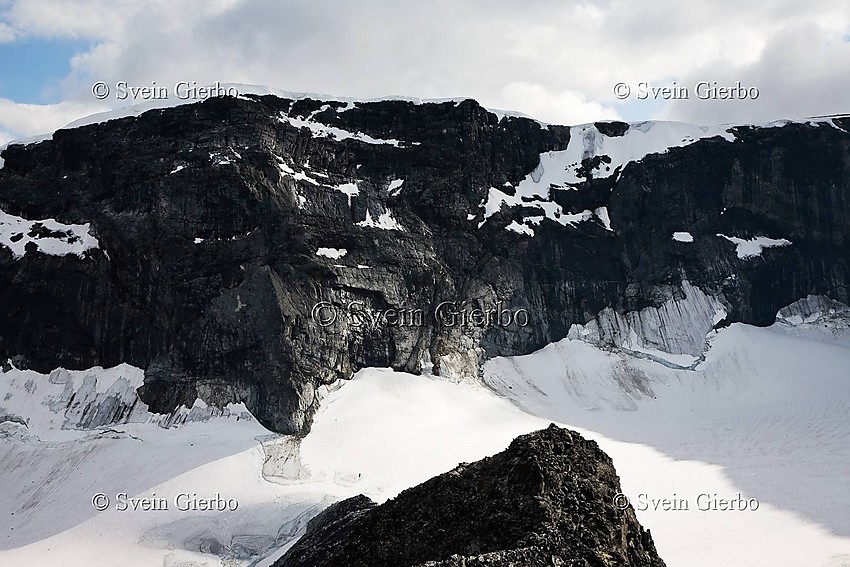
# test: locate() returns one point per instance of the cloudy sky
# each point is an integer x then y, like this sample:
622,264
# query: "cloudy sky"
557,60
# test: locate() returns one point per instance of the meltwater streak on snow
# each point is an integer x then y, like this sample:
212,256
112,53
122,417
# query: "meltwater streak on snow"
767,414
51,237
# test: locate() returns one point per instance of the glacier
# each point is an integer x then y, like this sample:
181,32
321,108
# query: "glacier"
751,418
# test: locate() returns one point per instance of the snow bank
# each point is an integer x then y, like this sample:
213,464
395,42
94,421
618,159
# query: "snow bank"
563,169
591,154
333,253
394,188
752,419
48,235
520,228
497,199
349,190
753,247
319,130
385,221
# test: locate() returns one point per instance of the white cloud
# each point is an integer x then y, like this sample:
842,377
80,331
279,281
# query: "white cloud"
802,72
565,107
105,19
25,120
552,59
7,34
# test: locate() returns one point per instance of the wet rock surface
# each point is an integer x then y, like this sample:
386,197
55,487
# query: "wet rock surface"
206,219
548,499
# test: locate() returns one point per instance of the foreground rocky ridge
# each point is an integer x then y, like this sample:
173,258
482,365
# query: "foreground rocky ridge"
197,242
548,499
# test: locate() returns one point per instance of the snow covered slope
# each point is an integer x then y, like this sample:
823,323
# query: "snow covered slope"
67,437
595,151
765,415
377,435
564,169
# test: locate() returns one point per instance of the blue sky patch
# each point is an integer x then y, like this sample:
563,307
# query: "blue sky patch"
31,69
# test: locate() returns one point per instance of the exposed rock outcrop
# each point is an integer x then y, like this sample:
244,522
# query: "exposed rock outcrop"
813,309
93,399
548,499
678,326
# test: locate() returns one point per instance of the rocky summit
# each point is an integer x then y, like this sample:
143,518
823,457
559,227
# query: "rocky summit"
252,248
548,499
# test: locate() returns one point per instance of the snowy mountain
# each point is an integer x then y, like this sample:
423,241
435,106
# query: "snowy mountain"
196,234
289,300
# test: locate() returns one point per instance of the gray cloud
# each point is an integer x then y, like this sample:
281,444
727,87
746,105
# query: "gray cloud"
803,71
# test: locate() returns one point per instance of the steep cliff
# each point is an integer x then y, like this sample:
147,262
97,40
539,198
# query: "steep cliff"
249,249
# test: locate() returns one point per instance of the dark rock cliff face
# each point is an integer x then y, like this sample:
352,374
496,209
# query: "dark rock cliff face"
548,499
210,219
791,182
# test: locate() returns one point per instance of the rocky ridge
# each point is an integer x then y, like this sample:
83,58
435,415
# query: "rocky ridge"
548,499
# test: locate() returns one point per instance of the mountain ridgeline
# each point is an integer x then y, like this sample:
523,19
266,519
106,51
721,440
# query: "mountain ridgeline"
254,248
